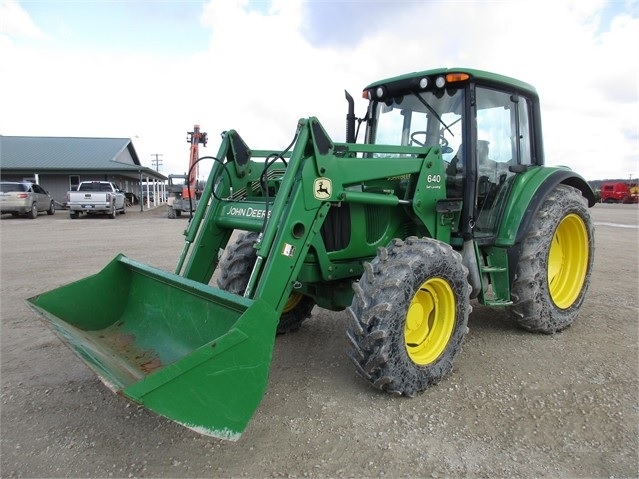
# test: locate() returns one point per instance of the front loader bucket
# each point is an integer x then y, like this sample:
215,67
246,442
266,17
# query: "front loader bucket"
195,354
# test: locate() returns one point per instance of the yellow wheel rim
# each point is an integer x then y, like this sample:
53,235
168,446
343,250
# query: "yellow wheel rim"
292,302
568,261
430,321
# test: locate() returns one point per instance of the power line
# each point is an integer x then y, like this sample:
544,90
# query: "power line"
157,162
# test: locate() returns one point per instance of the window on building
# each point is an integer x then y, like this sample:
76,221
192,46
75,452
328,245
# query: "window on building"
74,181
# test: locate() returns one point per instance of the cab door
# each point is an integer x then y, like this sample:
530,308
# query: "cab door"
502,146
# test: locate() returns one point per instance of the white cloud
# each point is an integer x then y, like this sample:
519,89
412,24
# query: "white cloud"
263,70
14,21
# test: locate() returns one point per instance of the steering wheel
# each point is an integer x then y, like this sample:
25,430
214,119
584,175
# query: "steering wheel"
442,139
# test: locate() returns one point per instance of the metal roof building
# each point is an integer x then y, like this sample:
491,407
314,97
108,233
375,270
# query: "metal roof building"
59,164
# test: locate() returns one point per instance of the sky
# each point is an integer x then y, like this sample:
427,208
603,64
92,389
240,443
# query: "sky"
151,70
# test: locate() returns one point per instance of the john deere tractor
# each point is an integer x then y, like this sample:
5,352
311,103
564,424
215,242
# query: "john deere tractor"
446,199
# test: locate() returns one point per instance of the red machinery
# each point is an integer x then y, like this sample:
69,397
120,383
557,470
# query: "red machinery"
195,137
619,192
184,190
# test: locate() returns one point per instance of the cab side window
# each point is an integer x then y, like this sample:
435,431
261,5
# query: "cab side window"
522,139
494,134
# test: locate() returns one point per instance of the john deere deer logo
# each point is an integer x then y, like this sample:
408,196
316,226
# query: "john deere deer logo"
322,188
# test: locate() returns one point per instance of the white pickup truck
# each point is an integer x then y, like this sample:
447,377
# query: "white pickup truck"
96,197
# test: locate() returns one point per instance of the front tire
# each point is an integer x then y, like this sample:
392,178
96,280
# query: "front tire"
236,267
296,310
409,315
554,269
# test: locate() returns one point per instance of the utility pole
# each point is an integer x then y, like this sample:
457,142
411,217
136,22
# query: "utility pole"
157,162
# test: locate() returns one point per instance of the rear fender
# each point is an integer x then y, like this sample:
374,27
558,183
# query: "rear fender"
528,193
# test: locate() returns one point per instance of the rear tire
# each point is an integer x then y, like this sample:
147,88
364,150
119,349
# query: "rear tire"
170,213
51,210
74,215
409,315
555,266
236,267
33,213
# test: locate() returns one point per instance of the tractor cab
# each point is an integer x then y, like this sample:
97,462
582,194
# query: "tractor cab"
484,124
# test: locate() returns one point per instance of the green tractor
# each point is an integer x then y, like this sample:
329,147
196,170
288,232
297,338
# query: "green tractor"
446,200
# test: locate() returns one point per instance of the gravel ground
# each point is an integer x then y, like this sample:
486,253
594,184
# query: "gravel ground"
516,404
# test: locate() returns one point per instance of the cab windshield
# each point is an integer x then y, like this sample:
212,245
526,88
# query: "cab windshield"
420,119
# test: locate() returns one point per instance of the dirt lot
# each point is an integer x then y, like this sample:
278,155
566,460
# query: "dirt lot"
516,405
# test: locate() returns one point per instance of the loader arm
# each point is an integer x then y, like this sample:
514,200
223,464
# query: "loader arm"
318,174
